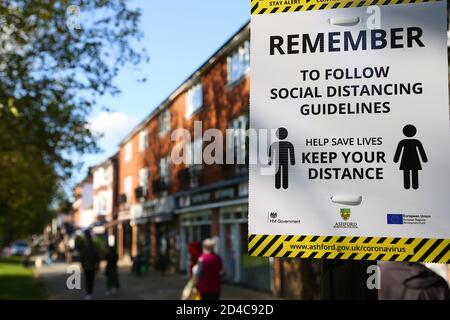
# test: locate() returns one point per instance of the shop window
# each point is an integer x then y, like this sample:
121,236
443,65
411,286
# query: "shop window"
144,239
196,220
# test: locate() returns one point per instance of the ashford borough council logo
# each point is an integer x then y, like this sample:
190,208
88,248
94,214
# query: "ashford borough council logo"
345,214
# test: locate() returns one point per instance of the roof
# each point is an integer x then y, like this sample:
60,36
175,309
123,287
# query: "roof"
104,163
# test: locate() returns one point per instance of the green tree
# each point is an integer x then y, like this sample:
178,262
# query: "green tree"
56,59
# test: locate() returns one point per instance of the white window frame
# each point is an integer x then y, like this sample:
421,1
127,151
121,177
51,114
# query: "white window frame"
164,122
98,178
128,150
192,106
143,178
104,204
239,136
164,169
128,188
194,152
143,140
238,62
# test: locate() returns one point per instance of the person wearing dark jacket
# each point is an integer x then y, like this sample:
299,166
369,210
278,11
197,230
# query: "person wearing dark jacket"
411,281
90,260
112,277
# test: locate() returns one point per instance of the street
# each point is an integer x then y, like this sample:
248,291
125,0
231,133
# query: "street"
151,286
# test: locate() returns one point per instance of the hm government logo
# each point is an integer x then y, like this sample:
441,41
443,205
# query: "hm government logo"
345,215
273,215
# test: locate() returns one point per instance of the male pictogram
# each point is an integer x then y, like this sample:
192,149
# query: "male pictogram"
410,150
285,154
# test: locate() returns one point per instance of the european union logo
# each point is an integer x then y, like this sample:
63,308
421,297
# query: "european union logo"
395,219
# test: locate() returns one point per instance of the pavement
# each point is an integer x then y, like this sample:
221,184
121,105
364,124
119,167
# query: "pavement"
151,286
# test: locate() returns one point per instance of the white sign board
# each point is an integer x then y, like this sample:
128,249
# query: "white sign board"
357,101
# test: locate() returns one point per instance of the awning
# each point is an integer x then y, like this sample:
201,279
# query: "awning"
212,186
115,223
155,218
212,205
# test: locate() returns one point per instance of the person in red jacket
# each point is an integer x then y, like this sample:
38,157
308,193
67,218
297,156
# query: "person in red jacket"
208,272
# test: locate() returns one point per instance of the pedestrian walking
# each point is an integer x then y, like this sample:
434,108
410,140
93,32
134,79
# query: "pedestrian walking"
208,272
90,260
112,276
61,250
49,253
67,250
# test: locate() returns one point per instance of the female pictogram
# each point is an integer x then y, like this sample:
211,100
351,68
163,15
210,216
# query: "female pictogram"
411,151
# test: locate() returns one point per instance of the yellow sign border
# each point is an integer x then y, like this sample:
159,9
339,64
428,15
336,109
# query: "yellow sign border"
283,6
350,248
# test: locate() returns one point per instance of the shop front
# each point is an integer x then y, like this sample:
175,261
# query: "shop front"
158,214
220,211
142,225
194,227
253,272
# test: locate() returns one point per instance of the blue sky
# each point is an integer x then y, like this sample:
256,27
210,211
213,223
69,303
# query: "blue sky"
179,37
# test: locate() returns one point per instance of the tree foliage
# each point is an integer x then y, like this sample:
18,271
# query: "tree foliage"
52,71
